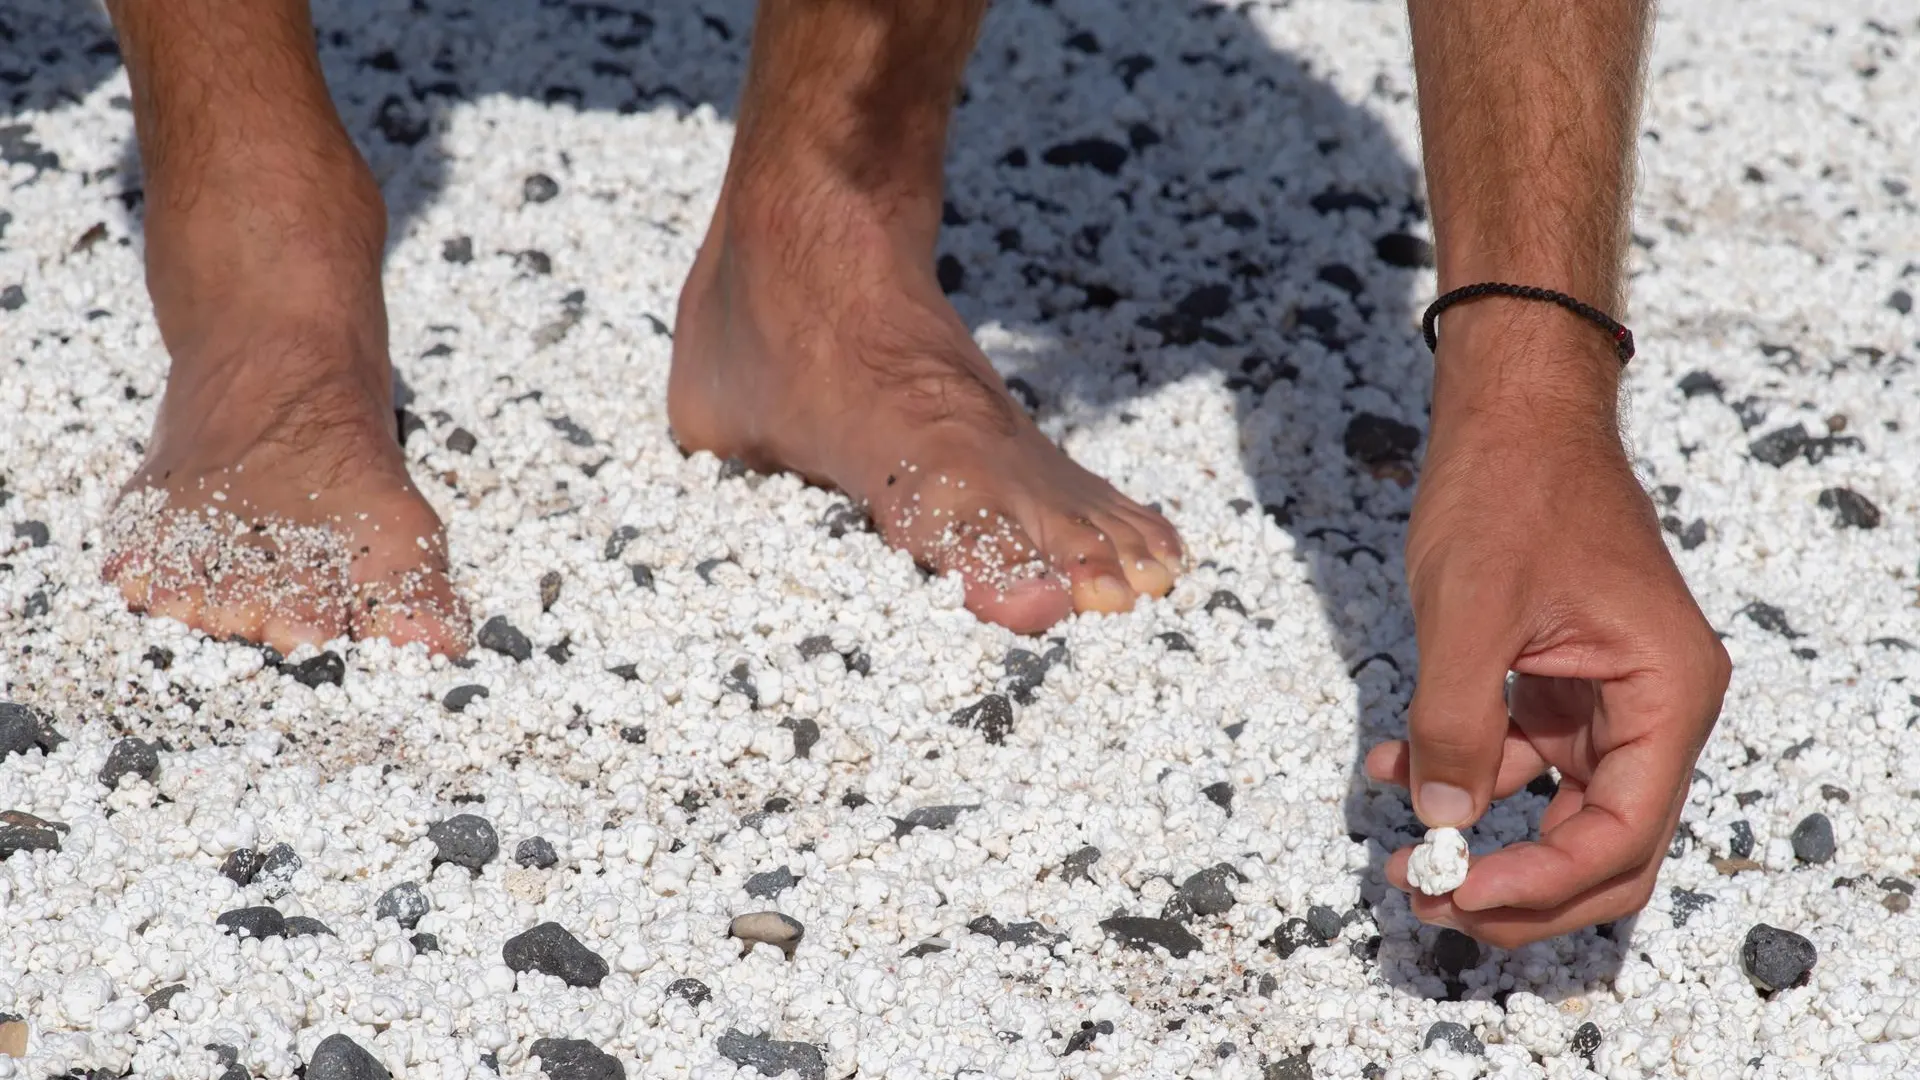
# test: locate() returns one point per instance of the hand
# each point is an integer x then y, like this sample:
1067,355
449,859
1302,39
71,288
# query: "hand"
1533,549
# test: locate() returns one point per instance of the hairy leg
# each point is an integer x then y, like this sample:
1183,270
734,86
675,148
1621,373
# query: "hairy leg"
273,503
813,335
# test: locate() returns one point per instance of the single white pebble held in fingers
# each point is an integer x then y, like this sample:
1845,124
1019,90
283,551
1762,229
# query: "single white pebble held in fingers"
1439,864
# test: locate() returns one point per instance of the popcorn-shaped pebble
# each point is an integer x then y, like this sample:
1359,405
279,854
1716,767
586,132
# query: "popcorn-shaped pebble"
1439,864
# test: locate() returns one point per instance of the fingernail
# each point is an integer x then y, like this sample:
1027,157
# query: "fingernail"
1444,806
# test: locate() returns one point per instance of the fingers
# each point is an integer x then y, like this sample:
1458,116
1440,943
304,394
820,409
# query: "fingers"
1510,928
1615,825
1457,723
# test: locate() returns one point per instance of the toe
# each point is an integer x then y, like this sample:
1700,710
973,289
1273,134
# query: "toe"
1144,571
1006,576
1162,539
1085,553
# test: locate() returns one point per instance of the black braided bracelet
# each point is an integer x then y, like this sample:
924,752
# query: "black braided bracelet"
1622,337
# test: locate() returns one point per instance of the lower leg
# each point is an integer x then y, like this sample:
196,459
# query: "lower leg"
813,335
264,233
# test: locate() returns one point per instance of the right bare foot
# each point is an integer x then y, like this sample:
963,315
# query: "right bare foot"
274,503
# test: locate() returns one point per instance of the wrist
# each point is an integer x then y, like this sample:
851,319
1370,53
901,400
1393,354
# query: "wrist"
1524,354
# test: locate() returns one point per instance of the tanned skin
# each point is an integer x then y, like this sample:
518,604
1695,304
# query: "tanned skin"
812,336
1532,547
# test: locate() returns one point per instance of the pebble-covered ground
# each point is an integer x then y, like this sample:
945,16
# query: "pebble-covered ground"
733,790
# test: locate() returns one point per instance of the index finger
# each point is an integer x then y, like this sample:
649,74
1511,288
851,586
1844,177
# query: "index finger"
1626,812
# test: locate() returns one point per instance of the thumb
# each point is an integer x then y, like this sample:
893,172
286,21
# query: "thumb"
1457,723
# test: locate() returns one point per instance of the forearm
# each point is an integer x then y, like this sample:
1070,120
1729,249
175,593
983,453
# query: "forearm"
1528,112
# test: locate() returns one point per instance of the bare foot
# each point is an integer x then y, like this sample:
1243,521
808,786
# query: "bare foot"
274,506
813,337
274,503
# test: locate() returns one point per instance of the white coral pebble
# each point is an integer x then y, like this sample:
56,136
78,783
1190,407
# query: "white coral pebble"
1439,864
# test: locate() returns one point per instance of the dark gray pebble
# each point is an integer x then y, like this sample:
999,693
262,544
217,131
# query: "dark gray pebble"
1769,618
1103,155
256,922
928,947
1019,934
130,757
404,904
633,733
533,262
771,883
24,728
1224,600
844,518
13,298
770,1057
1210,891
739,680
539,188
692,991
460,697
1075,866
1835,793
642,575
805,734
991,716
1292,1067
571,431
1220,794
1776,448
535,852
618,540
425,943
461,441
930,817
458,250
1901,301
548,947
1404,250
816,646
340,1058
1586,1041
240,865
1292,936
576,1059
1776,959
1687,904
504,638
1455,952
1378,440
26,838
160,657
1324,922
1090,1031
1696,383
1456,1036
1175,641
550,589
1740,839
163,997
1024,672
1851,509
1145,934
465,840
33,532
705,567
1813,839
324,668
627,672
303,926
278,864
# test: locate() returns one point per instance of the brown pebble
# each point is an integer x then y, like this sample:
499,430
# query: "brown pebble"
1896,902
781,931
